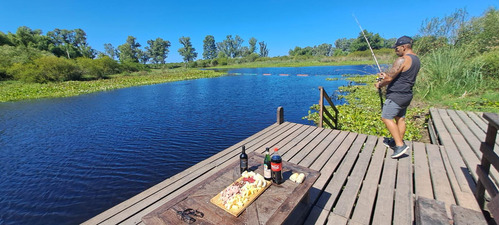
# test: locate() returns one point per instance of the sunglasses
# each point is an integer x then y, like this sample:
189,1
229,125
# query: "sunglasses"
187,215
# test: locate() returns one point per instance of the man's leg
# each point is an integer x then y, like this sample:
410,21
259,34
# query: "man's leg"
393,118
400,121
394,129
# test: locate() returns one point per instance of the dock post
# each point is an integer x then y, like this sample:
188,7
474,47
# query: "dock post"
280,118
321,105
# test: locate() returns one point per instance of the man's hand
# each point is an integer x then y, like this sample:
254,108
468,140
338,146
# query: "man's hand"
381,77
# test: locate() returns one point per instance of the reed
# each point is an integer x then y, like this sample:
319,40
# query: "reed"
450,72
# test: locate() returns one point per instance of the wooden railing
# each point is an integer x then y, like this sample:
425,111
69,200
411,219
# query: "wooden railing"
322,110
488,159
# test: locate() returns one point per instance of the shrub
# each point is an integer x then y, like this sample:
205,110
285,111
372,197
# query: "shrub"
9,55
46,69
132,66
98,68
490,59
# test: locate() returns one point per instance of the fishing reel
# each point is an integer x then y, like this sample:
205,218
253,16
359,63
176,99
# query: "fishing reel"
378,79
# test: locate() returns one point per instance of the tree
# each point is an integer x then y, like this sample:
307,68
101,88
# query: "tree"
344,44
323,50
447,27
70,43
252,43
481,33
209,47
298,51
80,42
359,44
110,51
231,47
187,52
128,52
143,56
158,50
5,40
263,49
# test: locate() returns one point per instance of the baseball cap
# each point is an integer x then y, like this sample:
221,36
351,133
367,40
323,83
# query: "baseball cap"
403,40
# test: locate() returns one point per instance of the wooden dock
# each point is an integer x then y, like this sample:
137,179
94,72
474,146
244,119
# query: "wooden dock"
359,182
461,133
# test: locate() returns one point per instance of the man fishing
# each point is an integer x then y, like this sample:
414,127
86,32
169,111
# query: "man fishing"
400,78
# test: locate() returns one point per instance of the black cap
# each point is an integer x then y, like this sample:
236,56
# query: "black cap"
403,40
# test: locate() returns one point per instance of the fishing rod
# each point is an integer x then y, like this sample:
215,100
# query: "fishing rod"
376,61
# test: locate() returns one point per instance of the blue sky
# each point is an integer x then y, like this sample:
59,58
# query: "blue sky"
281,24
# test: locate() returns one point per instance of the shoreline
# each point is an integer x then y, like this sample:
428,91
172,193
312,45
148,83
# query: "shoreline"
12,91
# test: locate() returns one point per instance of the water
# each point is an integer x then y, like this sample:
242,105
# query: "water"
65,160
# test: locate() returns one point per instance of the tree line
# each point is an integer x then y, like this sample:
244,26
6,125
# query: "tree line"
62,54
344,46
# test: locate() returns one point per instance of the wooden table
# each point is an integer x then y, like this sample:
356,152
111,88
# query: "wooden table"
274,206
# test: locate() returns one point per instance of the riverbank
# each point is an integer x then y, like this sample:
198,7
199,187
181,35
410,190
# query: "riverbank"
17,90
362,114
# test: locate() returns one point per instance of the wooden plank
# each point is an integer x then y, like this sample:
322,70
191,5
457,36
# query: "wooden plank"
493,208
134,213
423,184
463,216
442,187
430,211
283,142
332,147
466,152
492,119
147,193
432,132
348,198
314,150
320,153
464,198
403,199
465,181
317,216
478,120
327,169
335,219
305,137
478,132
465,132
310,141
334,187
486,182
385,196
271,141
365,203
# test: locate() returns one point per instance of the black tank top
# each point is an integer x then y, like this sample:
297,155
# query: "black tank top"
400,90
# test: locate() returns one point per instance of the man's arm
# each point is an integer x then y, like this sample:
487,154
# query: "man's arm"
396,69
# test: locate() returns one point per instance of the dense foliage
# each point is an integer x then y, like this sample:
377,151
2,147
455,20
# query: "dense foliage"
460,61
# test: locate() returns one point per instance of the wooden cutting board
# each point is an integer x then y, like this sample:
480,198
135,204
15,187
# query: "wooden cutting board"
236,212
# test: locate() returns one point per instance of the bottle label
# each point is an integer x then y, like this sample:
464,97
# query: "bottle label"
243,163
267,172
275,167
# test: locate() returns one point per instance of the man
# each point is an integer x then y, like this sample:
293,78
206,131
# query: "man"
400,78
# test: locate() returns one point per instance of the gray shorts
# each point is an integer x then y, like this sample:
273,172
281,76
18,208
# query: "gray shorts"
391,110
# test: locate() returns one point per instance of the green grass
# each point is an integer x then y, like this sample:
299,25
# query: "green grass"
17,90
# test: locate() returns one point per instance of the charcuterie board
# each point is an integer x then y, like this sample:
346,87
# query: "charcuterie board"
240,194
